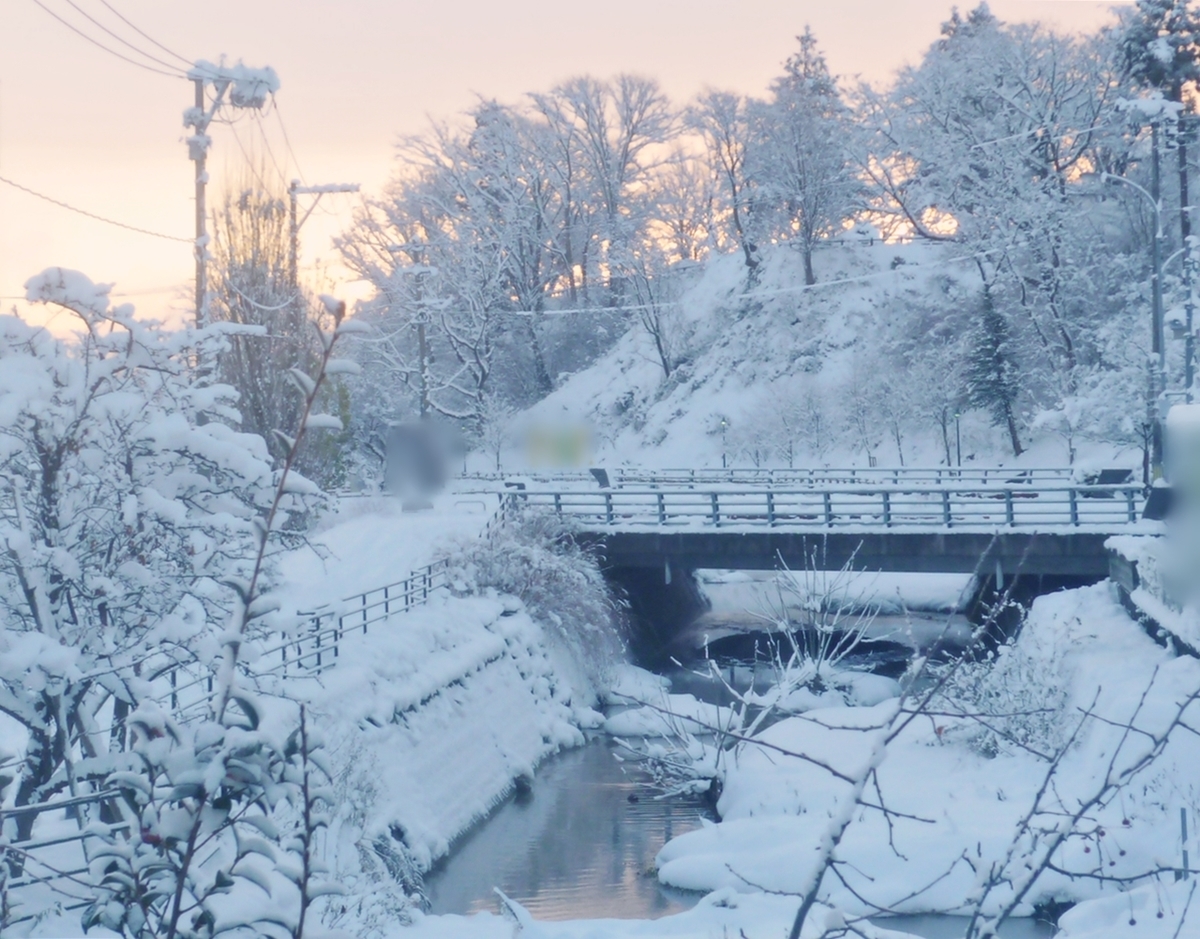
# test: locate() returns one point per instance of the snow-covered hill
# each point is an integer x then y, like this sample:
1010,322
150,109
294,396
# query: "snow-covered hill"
772,372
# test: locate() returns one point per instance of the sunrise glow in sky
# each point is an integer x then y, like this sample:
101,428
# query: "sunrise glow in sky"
82,126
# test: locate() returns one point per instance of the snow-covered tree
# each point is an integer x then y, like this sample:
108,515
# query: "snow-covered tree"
122,511
720,118
801,155
990,373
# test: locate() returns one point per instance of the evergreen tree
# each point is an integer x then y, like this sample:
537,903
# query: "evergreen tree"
991,374
1159,45
800,157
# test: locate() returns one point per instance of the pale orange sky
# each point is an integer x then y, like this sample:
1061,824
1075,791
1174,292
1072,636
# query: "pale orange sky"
84,127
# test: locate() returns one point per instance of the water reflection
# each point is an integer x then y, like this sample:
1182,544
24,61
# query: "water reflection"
574,847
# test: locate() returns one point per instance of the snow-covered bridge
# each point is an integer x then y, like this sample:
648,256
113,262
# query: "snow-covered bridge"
1006,521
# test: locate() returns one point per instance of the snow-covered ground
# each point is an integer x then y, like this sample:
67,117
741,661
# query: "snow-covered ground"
368,541
1078,643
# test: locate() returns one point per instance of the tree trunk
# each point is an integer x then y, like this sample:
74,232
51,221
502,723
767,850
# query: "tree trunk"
1012,430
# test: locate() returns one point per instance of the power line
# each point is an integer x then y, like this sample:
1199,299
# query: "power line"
92,215
144,35
95,42
125,42
267,143
287,141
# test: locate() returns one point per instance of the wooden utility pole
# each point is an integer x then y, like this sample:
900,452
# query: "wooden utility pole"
246,88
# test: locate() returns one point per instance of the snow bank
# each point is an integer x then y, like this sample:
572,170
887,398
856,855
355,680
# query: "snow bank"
1157,911
965,805
723,913
369,541
434,714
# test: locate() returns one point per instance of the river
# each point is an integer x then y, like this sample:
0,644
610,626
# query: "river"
574,846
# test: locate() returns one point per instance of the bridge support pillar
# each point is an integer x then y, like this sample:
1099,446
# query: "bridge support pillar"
662,603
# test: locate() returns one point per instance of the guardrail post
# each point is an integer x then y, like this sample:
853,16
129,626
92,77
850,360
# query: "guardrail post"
608,510
407,593
887,509
558,503
364,610
946,518
318,650
770,508
1129,505
1008,507
387,601
1074,507
828,509
662,510
174,697
716,510
337,636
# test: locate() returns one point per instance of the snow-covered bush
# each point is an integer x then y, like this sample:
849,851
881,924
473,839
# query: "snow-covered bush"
535,557
1011,699
125,502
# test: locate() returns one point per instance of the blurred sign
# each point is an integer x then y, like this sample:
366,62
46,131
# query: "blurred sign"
418,459
558,446
1183,471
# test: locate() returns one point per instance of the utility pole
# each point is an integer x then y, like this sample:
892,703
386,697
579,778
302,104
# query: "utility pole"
1158,346
294,191
246,88
1189,262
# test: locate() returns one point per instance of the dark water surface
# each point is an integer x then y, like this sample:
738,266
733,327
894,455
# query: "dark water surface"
574,847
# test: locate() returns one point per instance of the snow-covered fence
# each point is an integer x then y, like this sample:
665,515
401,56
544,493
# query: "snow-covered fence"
1108,507
188,689
318,649
49,866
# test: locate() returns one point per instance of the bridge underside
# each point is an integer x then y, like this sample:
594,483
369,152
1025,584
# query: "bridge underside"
1074,554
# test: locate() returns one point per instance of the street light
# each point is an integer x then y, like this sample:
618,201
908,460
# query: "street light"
1158,382
957,440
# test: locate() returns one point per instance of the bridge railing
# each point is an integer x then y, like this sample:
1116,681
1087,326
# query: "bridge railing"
886,507
852,476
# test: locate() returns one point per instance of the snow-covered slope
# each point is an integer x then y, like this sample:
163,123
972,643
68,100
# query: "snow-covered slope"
758,356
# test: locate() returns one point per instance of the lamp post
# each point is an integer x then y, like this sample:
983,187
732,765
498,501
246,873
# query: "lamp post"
957,441
1158,377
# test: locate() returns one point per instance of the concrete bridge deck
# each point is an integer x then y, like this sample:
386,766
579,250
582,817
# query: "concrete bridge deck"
1034,524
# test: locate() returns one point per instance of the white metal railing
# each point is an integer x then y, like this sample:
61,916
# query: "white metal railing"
1024,505
970,476
55,859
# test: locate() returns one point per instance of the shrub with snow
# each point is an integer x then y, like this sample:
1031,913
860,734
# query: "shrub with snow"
535,557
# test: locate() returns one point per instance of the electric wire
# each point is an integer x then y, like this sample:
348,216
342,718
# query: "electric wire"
145,35
125,42
270,152
287,142
262,183
95,42
93,215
